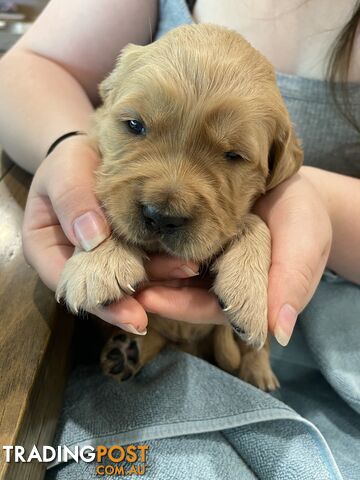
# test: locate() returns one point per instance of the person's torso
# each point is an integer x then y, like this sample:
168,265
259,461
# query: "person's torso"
296,37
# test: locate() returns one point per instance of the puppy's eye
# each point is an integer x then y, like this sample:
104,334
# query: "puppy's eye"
233,156
136,127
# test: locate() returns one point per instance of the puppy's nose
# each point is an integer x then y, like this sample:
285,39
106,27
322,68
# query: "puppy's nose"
156,221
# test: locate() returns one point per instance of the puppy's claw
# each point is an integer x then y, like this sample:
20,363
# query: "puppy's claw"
227,309
239,331
132,289
248,338
221,304
223,307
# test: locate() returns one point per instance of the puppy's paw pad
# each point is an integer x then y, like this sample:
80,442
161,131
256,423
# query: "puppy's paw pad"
120,357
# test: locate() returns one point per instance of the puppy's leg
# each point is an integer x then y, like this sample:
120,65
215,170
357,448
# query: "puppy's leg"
124,354
242,278
255,367
226,350
106,274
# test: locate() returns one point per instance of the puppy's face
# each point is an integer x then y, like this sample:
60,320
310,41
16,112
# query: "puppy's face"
187,130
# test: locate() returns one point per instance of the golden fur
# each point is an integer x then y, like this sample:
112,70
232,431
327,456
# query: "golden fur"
200,91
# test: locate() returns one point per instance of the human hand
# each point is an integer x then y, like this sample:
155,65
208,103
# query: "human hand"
62,212
301,233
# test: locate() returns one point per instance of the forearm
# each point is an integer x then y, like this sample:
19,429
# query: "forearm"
45,104
341,195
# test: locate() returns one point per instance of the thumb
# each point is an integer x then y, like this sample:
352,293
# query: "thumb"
301,235
293,278
288,292
73,198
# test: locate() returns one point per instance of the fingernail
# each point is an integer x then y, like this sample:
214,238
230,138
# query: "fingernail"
90,230
131,329
184,271
285,324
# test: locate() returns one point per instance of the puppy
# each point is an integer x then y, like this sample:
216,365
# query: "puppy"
192,131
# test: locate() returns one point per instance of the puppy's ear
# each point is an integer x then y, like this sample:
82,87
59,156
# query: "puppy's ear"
107,85
285,156
126,63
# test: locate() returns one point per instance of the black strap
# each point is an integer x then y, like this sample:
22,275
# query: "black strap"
60,139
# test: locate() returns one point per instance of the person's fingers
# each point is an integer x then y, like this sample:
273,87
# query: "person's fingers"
163,267
188,304
45,245
62,212
127,314
196,282
73,198
298,262
290,289
47,251
130,313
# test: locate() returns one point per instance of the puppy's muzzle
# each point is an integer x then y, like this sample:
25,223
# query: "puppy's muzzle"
158,221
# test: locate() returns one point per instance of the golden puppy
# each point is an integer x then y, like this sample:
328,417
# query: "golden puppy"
192,131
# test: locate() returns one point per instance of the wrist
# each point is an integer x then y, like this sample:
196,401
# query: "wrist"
267,206
63,138
321,182
74,145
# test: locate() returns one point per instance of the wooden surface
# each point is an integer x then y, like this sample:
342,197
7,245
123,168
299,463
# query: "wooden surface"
35,336
35,333
10,33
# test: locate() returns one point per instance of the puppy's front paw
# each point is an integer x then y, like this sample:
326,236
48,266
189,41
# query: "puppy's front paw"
102,276
241,281
120,357
246,311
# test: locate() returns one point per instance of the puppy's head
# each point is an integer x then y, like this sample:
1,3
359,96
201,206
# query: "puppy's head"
192,130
